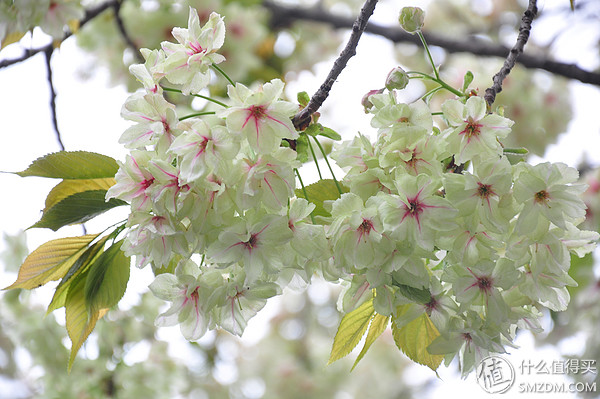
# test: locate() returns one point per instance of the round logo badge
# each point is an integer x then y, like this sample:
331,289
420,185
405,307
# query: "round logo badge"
495,374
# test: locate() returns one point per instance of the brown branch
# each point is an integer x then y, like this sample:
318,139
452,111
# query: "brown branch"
302,118
511,59
124,34
89,15
282,16
48,54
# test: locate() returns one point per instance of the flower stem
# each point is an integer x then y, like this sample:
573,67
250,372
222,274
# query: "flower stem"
439,81
435,71
196,114
198,95
328,165
222,72
315,158
312,217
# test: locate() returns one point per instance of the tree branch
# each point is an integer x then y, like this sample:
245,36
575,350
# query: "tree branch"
302,118
282,16
89,15
48,54
511,59
124,34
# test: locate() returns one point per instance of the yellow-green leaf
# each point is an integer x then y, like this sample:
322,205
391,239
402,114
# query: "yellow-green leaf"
73,25
351,330
67,188
78,267
51,261
414,338
72,165
11,38
378,325
321,191
79,321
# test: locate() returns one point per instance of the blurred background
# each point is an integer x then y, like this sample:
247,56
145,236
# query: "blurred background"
284,351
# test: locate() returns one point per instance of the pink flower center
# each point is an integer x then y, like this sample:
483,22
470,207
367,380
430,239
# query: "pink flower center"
196,48
472,129
415,208
541,197
413,162
485,284
485,191
258,112
365,227
431,305
251,243
147,183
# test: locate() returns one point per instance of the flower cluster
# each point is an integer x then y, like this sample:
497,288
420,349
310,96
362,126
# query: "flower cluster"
52,16
445,211
441,212
217,185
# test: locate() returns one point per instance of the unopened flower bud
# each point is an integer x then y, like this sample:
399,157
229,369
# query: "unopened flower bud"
411,19
365,100
396,79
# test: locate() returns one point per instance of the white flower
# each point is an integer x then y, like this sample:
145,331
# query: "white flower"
473,132
260,116
187,296
187,62
548,193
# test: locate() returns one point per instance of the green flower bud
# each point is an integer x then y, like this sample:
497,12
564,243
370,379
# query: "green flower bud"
411,19
396,79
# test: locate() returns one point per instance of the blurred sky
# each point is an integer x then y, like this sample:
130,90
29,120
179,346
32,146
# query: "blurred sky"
89,119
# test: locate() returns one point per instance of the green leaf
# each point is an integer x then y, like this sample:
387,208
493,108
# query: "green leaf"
313,129
414,338
467,80
302,148
316,129
77,208
516,151
515,155
169,268
67,188
330,134
582,271
303,98
378,325
107,279
79,267
79,321
419,295
72,165
321,191
50,261
351,330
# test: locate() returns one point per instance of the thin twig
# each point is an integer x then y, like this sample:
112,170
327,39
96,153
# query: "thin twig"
302,118
511,59
89,15
124,34
48,54
283,16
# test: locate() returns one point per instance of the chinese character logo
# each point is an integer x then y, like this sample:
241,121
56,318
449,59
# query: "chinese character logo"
495,374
